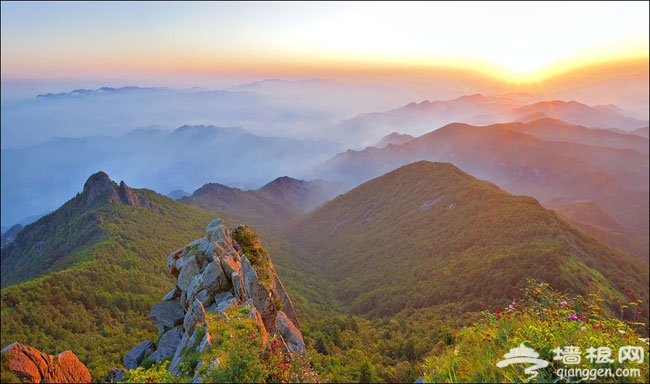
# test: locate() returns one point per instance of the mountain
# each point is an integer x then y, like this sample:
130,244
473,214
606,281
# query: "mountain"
50,243
393,138
268,207
577,113
592,218
84,277
10,234
301,195
98,265
522,159
429,234
556,130
419,118
42,177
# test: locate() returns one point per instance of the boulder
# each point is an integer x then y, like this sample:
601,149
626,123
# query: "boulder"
167,314
215,279
167,345
32,365
217,233
291,335
186,342
190,268
172,295
134,358
230,262
188,295
115,375
195,314
287,305
238,285
257,292
171,261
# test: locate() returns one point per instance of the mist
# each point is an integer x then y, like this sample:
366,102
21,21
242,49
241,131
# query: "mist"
244,134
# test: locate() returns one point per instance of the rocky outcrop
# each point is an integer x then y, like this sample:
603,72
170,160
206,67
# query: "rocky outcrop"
32,365
99,188
213,274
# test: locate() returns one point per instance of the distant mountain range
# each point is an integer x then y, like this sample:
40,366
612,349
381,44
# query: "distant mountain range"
44,176
426,116
269,207
430,234
548,159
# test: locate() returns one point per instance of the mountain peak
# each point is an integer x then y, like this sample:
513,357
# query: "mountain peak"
99,189
282,183
97,185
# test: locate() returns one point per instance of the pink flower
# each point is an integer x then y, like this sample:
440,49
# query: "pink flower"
563,304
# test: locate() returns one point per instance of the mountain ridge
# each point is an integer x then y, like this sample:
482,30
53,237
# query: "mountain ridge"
441,220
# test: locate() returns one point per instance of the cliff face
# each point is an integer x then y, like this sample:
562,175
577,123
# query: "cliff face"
226,268
31,365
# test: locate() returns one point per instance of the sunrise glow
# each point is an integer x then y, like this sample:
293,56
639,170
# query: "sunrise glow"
127,39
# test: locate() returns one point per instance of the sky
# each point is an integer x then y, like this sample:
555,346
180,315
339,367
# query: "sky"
190,40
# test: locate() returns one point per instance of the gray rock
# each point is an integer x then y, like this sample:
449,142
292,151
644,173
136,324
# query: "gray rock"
223,296
115,375
215,279
172,295
194,315
230,262
168,314
167,345
216,231
204,298
206,343
171,261
291,335
238,285
221,307
258,293
186,342
192,290
134,357
189,269
287,305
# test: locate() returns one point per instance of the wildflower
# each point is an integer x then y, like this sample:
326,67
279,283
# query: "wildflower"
573,316
622,332
582,329
597,326
581,319
563,304
456,351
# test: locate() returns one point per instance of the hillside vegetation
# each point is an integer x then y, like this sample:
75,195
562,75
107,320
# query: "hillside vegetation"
429,234
99,305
